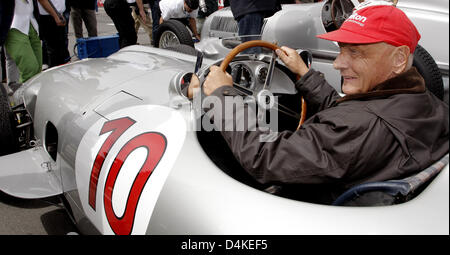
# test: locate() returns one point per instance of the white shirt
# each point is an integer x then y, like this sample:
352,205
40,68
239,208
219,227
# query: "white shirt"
175,9
60,6
23,16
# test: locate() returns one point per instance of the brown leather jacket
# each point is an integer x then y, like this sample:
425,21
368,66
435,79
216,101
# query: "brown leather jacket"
394,131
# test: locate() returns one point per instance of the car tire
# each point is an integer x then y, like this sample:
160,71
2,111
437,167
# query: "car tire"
429,70
8,142
183,48
177,29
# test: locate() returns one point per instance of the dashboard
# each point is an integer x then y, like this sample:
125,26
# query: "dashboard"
251,75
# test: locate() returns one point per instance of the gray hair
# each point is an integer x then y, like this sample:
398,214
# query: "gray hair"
410,61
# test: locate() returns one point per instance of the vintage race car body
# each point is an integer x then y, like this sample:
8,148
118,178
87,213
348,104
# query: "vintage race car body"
297,25
119,142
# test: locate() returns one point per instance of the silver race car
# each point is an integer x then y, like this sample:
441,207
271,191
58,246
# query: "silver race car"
298,24
119,142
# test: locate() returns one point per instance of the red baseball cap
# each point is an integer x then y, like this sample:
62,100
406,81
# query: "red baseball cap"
382,23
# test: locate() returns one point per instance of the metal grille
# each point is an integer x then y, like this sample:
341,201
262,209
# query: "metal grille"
226,24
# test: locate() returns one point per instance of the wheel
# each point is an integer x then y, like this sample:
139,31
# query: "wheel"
8,141
172,32
183,48
429,70
340,11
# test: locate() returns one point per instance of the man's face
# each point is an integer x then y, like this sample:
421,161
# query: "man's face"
363,66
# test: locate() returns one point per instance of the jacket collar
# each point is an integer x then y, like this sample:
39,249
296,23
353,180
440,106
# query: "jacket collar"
409,82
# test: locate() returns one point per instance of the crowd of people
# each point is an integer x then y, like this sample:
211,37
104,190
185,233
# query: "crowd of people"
34,33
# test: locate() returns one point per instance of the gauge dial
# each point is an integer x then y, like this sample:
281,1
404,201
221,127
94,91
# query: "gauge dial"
261,74
242,75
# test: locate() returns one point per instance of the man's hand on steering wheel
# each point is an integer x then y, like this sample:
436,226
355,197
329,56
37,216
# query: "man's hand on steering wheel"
216,79
292,60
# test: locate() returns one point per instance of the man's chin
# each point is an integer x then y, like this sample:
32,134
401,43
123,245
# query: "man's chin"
350,88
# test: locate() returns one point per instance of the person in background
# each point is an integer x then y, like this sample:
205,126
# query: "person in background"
120,13
83,11
66,15
250,14
53,34
139,21
23,43
156,16
2,66
6,17
185,11
207,7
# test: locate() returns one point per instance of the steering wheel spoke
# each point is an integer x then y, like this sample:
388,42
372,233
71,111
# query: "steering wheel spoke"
270,71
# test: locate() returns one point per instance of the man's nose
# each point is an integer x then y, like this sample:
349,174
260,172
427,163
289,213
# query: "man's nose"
339,63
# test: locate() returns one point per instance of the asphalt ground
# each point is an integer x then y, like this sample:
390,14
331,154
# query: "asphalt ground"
47,216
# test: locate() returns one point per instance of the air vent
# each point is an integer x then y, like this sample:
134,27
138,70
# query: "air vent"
226,24
51,140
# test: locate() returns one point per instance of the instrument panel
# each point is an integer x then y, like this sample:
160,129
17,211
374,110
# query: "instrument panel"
251,75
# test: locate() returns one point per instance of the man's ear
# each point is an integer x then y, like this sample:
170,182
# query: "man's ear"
400,59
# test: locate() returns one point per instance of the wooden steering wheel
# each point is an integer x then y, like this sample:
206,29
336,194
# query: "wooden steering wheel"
259,43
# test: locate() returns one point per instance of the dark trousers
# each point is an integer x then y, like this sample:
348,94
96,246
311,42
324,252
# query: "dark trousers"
66,15
156,15
54,39
90,21
3,64
6,17
251,24
120,13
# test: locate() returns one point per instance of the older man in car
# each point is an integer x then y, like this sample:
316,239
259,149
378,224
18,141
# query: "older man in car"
387,126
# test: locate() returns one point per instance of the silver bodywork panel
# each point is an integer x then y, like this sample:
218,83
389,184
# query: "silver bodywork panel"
222,205
30,174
